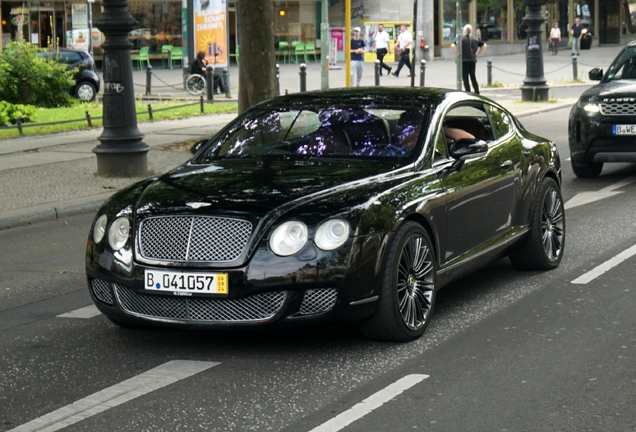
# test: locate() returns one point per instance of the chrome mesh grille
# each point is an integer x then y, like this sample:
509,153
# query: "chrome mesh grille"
101,290
618,108
193,239
318,301
253,308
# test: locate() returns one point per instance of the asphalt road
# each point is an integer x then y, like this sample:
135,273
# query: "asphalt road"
506,350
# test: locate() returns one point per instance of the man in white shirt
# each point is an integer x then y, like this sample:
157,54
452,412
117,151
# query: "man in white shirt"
404,42
381,45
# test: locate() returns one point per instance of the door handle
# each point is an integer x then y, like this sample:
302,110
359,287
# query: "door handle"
507,164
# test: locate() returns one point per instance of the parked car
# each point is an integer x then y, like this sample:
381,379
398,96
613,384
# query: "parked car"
86,80
490,31
602,124
351,205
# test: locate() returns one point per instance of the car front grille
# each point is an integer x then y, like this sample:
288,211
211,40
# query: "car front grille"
318,301
258,307
193,238
101,291
618,108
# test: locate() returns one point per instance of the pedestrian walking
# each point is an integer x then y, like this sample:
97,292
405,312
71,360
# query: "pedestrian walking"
555,38
576,32
471,49
357,57
381,41
404,42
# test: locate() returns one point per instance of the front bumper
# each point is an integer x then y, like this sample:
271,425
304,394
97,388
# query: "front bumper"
591,139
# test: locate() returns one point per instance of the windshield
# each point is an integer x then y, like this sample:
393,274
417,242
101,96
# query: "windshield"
624,66
320,131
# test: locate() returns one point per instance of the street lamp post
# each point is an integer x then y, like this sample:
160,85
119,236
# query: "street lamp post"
90,25
121,151
534,86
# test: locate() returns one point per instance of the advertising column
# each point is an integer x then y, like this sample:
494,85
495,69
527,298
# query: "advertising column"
210,31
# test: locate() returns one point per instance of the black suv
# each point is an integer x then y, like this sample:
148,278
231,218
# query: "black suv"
86,80
602,124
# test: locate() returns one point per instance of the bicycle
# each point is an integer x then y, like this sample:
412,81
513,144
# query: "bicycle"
195,84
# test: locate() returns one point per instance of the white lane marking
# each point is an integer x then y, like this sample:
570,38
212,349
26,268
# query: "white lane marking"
371,403
606,266
83,313
591,196
161,376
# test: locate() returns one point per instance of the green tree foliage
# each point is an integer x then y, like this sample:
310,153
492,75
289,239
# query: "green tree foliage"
28,78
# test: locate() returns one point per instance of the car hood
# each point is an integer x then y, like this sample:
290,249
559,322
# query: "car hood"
254,187
618,88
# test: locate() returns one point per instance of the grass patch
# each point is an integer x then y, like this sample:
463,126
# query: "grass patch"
495,84
78,111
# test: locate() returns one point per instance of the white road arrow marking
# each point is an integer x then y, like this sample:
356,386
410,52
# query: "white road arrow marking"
83,313
591,196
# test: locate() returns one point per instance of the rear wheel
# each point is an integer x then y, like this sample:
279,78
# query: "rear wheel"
543,248
407,292
85,92
587,170
195,84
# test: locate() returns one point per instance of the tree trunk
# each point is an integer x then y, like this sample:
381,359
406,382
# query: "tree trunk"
257,71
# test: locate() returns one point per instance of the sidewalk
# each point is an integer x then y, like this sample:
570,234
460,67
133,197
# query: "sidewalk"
52,176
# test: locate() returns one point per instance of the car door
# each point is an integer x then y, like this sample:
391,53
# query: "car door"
479,191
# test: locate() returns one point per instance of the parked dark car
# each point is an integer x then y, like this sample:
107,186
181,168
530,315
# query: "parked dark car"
86,80
347,205
490,31
602,125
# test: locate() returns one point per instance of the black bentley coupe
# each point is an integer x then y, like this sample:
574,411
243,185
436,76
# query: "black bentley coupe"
344,205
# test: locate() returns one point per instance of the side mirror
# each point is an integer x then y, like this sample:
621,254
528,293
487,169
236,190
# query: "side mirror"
596,74
197,146
465,148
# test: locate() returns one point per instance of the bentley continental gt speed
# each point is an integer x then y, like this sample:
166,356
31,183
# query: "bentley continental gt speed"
351,205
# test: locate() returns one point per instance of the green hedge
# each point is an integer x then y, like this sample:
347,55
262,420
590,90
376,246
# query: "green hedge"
10,113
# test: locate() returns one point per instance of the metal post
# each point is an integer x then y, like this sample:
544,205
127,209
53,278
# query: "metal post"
422,72
489,68
376,69
277,79
575,71
534,86
459,35
209,82
18,123
148,79
89,6
201,103
88,119
150,112
226,81
325,39
121,151
303,77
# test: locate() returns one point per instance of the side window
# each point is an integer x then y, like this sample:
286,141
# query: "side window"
441,152
501,123
467,122
69,57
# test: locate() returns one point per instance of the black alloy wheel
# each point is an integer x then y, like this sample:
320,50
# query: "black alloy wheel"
407,292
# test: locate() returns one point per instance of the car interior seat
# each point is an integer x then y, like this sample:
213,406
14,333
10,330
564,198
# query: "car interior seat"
330,138
472,125
408,128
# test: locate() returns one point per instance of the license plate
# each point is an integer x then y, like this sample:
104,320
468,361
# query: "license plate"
185,283
624,129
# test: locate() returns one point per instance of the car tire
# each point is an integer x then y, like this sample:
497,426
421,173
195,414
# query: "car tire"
544,245
407,288
587,170
85,91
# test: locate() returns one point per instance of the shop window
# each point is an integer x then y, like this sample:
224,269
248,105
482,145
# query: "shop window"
449,15
520,28
294,22
492,20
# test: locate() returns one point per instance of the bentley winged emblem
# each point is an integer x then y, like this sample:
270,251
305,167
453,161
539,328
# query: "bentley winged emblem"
196,205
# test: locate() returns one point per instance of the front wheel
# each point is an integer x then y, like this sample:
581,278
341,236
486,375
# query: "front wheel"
195,85
543,248
85,92
407,288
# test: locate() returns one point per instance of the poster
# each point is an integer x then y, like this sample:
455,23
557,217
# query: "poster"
79,15
210,31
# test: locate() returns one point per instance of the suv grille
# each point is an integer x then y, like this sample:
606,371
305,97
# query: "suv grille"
193,238
618,109
258,307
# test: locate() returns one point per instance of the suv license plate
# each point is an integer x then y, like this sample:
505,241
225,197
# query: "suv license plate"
193,283
624,129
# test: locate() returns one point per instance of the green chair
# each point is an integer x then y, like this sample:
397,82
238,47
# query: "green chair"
310,49
141,57
236,55
299,50
283,48
176,53
165,53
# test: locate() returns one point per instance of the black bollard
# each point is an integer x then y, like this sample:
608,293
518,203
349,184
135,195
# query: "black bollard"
575,69
303,77
148,80
376,72
277,79
489,68
201,104
18,123
209,82
88,119
422,72
150,112
226,81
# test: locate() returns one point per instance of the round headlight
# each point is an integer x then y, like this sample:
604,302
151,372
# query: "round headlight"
118,233
99,229
332,234
288,238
